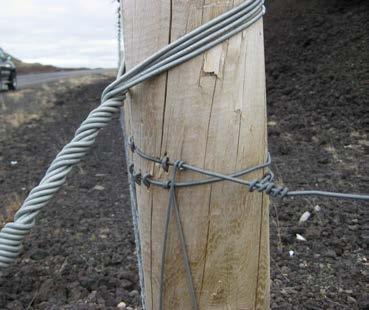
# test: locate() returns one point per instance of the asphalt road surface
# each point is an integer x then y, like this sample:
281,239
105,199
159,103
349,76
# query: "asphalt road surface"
40,78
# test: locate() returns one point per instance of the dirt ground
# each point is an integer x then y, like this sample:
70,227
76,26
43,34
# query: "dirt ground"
318,102
81,253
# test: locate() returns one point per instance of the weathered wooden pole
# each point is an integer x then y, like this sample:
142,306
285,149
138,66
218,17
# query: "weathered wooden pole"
211,113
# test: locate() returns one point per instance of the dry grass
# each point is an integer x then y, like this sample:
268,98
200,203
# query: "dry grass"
20,118
12,205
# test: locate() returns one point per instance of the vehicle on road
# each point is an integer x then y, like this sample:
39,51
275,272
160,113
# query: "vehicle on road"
8,72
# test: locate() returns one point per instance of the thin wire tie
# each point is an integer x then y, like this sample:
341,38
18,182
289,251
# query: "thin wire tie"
172,204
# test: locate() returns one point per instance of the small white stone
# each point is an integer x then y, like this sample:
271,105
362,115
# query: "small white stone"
317,208
299,237
291,253
122,305
304,217
13,162
99,187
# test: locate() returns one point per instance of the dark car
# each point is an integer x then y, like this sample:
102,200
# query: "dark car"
8,72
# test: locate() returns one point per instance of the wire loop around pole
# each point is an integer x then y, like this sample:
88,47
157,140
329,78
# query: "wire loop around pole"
265,184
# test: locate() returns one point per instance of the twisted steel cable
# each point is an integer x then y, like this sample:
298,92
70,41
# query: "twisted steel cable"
192,44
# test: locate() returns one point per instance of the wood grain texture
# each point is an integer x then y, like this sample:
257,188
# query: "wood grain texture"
209,112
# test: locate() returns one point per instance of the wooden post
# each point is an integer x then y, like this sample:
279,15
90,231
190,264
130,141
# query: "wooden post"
209,112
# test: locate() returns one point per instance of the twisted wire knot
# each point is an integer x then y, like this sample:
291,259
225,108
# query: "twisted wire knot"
145,179
167,184
137,177
267,185
179,164
165,163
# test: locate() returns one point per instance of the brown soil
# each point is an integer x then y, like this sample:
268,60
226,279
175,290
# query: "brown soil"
81,253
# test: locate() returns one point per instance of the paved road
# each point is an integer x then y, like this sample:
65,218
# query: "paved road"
40,78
